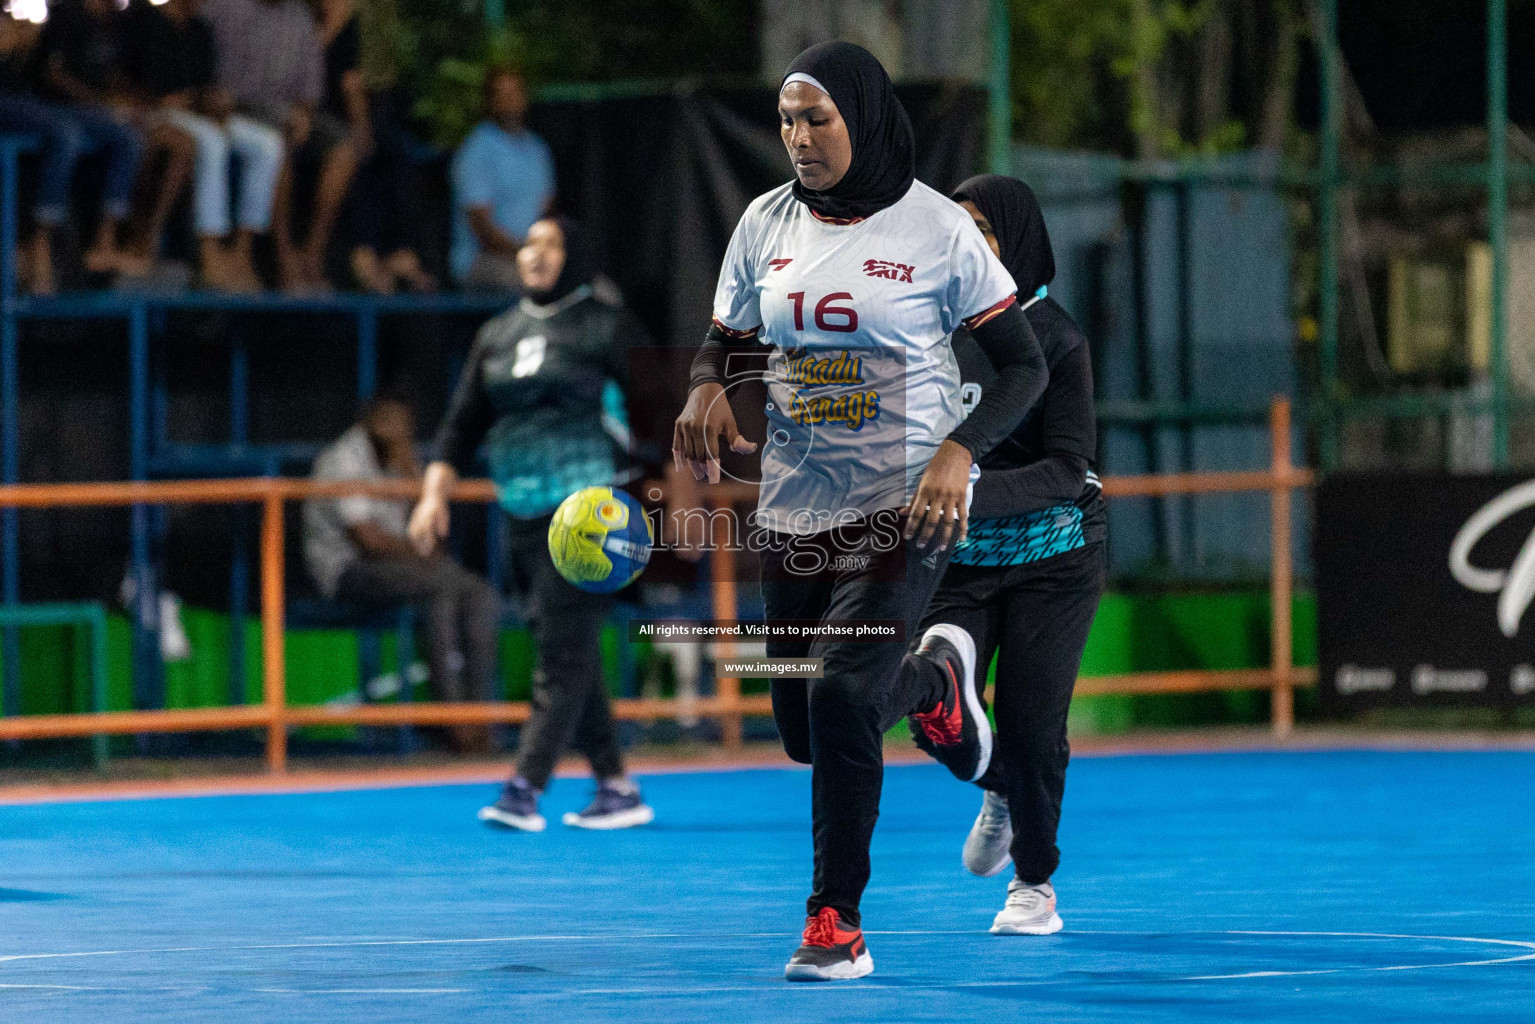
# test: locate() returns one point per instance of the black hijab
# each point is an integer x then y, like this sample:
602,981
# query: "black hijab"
1015,218
580,263
884,160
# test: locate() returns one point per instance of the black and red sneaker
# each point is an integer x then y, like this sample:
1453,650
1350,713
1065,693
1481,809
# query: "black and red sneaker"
829,950
955,731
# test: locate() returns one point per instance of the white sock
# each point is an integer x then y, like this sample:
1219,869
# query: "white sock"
620,784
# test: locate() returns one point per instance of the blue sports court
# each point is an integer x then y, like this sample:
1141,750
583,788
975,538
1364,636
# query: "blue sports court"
1358,886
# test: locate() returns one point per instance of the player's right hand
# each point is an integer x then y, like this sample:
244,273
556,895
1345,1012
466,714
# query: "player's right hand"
428,524
706,418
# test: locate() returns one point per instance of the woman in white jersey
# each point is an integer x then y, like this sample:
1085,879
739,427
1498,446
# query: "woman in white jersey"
855,276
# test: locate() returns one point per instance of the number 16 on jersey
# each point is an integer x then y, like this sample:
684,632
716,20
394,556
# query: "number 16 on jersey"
846,323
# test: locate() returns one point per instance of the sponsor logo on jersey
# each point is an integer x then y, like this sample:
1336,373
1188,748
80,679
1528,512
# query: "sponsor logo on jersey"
804,372
779,264
888,270
852,410
809,372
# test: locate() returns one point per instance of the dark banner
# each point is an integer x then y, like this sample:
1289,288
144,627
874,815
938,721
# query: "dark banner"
1424,584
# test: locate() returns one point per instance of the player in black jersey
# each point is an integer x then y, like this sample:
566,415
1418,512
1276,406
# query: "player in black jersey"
1025,584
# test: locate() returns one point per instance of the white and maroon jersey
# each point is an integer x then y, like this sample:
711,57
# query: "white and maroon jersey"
862,384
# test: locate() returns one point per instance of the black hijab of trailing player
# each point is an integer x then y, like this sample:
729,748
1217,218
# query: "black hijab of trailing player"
1018,225
884,148
580,264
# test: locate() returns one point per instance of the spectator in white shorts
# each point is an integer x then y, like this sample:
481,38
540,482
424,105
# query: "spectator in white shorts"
171,62
272,64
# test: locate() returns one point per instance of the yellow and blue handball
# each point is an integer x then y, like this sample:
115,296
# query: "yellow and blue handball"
600,539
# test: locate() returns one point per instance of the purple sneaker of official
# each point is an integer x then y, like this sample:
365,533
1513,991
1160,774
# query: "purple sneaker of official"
517,808
616,805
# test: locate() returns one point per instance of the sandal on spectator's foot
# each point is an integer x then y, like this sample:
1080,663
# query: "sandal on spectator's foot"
35,264
222,271
369,274
405,265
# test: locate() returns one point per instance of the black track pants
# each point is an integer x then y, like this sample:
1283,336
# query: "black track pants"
570,702
1035,619
837,723
460,612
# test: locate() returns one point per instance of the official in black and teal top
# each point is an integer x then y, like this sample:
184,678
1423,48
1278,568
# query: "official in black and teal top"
1026,582
543,393
543,390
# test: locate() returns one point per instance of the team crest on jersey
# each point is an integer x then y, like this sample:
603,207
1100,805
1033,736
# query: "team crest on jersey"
779,264
888,270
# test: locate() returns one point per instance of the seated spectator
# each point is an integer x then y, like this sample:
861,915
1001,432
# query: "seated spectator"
383,199
172,63
272,67
503,182
83,68
357,549
66,132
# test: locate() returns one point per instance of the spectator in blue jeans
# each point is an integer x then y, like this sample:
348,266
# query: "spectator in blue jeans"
503,182
82,65
65,133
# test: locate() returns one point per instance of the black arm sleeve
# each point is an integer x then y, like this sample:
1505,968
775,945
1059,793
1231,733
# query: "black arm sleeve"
468,418
709,364
1009,342
1070,440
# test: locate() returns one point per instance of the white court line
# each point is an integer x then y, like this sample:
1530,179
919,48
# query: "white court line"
183,990
647,936
1387,935
1376,935
359,944
650,936
355,944
363,991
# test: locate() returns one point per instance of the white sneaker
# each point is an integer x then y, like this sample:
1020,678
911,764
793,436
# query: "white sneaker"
494,814
616,805
1030,910
987,846
517,808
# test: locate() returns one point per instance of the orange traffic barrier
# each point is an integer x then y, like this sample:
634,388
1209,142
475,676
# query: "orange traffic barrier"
728,705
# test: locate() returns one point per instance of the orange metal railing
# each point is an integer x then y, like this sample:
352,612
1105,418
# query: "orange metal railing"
728,704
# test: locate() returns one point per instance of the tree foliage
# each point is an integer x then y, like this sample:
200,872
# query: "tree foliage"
1138,77
446,45
1154,77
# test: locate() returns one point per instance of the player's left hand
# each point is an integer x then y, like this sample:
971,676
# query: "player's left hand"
939,506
